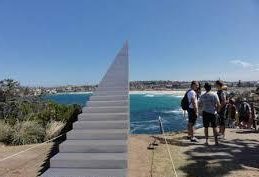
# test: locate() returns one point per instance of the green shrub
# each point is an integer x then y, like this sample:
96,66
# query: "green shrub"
28,132
6,132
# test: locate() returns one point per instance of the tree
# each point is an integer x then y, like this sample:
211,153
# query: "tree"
10,87
2,96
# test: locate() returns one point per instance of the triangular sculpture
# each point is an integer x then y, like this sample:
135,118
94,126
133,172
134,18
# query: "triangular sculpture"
97,144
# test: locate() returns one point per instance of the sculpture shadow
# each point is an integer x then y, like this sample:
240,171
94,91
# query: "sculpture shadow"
55,147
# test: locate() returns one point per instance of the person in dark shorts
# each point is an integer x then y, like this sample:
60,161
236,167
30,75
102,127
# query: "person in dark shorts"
209,102
222,110
192,110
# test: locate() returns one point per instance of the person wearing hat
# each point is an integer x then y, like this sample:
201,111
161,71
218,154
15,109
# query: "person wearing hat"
209,103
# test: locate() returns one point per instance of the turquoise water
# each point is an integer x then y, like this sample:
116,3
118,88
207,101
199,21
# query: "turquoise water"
144,111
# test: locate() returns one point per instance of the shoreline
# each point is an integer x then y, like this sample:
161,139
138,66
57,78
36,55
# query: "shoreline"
159,92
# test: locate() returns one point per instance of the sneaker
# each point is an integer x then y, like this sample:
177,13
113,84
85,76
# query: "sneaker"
194,139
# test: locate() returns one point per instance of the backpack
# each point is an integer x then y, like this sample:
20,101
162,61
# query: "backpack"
243,109
185,102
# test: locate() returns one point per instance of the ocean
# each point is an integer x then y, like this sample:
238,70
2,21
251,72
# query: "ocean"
145,109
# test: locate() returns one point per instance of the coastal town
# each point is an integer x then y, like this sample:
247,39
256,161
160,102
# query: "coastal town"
136,86
247,89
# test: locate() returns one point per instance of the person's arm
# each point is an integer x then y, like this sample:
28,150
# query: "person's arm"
194,104
218,103
253,113
223,100
200,103
249,111
234,112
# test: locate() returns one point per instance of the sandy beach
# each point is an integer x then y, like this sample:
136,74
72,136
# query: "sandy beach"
165,92
162,92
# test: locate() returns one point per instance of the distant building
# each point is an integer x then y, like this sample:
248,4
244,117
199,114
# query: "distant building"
38,92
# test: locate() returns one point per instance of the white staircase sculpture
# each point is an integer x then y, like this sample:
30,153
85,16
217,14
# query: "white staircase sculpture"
97,144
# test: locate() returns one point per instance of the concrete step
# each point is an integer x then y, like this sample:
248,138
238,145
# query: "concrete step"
89,160
112,89
94,146
118,66
79,172
114,109
109,98
119,80
113,83
115,74
100,125
102,134
107,103
103,116
106,93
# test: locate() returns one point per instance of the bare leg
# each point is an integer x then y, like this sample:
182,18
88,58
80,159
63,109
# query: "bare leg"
215,133
190,126
206,132
223,130
250,122
254,124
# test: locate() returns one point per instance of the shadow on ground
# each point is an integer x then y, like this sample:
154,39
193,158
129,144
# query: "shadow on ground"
55,148
218,161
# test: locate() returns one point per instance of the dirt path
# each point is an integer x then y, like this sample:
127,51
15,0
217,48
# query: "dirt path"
29,164
140,158
237,156
26,164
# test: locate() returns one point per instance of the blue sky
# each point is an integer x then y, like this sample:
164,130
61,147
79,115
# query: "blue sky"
58,42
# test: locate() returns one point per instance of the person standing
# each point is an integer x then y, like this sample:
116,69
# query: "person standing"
245,115
192,110
253,115
222,110
209,103
231,113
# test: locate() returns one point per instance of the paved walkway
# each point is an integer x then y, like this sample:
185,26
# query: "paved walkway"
97,145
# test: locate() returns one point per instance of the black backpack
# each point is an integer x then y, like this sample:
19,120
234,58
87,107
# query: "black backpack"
185,102
243,109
